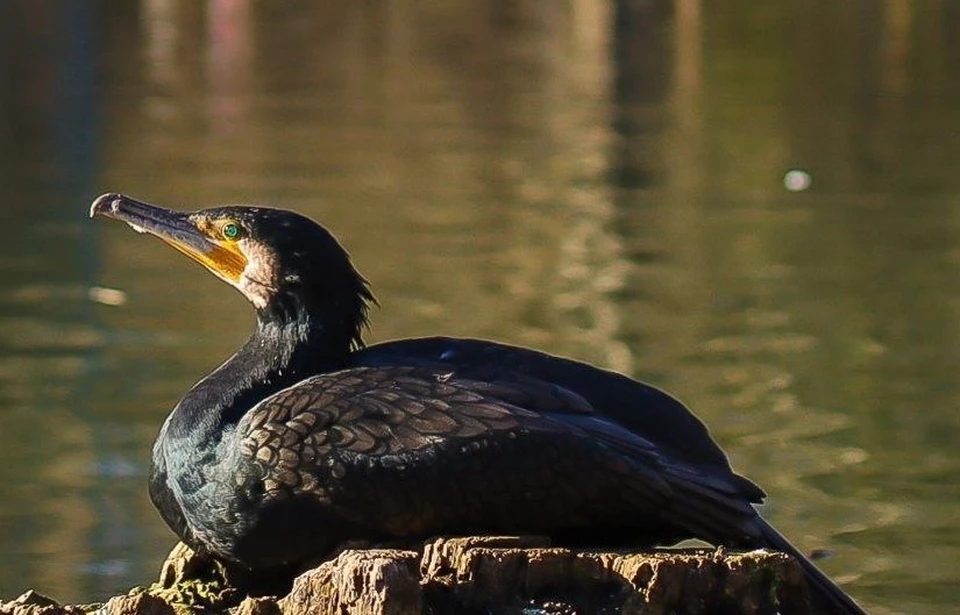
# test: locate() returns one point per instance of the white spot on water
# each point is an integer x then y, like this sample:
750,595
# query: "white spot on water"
797,180
107,296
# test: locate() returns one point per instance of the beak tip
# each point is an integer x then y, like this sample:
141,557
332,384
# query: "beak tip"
105,204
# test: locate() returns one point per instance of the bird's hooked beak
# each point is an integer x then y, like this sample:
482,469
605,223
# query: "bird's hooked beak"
194,237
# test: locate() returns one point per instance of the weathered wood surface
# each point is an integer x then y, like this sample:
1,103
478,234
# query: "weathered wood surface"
504,575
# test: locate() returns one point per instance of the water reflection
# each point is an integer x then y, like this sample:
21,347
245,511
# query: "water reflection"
598,179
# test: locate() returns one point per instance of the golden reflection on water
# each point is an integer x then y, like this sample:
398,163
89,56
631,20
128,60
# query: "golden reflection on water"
602,180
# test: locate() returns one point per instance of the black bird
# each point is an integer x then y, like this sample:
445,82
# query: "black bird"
304,439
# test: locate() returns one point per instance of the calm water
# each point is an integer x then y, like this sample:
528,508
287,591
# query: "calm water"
596,181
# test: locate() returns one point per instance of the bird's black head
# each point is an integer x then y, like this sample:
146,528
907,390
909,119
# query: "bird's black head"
288,266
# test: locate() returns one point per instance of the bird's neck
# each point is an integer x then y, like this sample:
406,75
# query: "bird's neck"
280,353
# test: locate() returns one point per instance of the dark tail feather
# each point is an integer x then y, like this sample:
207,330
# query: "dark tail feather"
825,597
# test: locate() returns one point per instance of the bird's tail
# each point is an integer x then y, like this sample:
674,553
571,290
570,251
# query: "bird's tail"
826,598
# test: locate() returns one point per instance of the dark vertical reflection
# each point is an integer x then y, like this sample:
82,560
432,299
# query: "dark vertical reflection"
7,93
51,338
641,60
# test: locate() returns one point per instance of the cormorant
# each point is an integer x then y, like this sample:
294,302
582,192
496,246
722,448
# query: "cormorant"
305,439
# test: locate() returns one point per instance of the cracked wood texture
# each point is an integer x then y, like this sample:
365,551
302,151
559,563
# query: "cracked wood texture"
503,575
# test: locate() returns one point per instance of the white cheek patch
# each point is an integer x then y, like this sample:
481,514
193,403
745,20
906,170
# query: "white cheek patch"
256,293
259,280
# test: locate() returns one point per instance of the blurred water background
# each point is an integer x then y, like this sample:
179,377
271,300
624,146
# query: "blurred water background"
753,205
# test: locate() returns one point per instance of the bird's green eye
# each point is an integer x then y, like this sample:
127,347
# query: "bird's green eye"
231,230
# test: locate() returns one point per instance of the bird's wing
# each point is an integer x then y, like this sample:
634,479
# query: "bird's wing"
407,450
708,500
395,410
705,501
644,410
